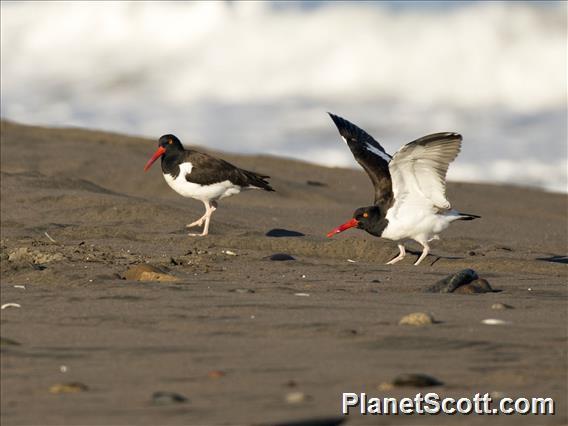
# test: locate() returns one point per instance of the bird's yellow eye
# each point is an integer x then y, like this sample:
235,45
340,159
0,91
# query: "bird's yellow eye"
170,141
365,214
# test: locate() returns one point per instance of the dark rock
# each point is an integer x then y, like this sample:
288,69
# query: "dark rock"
4,341
280,257
416,380
451,282
376,281
165,398
318,421
315,183
277,233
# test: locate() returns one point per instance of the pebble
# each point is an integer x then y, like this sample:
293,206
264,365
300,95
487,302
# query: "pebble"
216,374
500,306
296,397
144,272
165,398
280,257
4,341
417,318
23,287
301,294
351,261
73,387
416,380
229,253
494,321
242,290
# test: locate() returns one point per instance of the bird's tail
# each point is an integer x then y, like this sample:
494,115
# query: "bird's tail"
467,216
258,181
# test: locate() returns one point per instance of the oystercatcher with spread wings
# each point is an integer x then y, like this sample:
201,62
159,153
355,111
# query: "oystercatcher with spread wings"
200,176
410,187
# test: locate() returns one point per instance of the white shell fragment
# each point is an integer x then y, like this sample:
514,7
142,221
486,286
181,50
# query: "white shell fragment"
301,294
494,321
10,305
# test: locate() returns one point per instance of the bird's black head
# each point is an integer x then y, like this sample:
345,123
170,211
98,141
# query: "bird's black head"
366,218
166,143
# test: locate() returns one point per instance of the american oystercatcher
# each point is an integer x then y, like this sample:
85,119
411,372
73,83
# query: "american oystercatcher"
410,187
200,176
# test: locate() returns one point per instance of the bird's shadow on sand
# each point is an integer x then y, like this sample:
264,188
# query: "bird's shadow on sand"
554,259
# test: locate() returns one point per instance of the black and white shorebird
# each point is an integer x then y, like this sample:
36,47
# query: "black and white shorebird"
410,187
200,176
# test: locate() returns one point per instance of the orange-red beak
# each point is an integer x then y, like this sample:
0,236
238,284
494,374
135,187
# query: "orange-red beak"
350,224
159,152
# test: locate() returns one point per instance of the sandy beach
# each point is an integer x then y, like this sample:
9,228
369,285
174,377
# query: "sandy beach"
245,339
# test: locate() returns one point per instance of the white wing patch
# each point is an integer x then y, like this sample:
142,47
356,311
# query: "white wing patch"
378,152
419,169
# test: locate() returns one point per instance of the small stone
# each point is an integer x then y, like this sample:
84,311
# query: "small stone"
144,272
315,183
301,294
280,257
68,388
4,341
385,386
216,374
375,281
242,290
417,319
166,398
416,380
296,397
229,253
499,306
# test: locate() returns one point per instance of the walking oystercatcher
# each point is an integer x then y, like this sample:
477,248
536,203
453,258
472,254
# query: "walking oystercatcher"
200,176
410,187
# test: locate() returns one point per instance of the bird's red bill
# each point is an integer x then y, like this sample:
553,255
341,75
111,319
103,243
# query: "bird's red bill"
350,224
159,152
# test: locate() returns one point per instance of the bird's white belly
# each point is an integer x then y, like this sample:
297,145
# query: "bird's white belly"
215,191
422,225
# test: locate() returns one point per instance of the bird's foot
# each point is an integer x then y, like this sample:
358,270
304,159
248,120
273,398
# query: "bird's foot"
196,223
197,235
395,260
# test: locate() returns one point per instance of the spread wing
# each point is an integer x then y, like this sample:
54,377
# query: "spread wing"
370,155
419,169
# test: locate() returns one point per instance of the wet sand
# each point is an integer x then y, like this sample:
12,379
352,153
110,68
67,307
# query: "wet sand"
231,334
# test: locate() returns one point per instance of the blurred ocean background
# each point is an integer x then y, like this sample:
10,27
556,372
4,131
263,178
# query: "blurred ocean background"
259,77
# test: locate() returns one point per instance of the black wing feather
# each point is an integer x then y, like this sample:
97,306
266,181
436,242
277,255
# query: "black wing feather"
208,170
371,156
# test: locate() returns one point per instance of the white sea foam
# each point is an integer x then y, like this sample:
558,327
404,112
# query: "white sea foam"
258,77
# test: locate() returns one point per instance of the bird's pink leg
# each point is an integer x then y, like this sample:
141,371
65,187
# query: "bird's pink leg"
199,221
399,257
210,208
424,253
